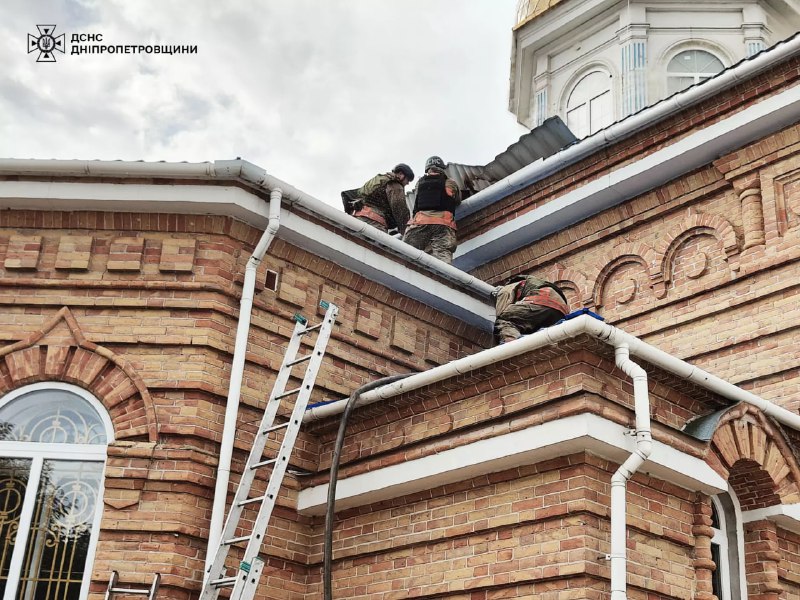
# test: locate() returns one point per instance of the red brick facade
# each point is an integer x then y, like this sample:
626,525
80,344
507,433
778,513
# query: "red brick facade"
141,311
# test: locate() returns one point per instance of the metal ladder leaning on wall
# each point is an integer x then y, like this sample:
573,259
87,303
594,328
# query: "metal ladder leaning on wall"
113,588
245,581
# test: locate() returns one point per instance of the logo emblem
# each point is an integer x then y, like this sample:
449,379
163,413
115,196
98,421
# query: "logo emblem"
46,43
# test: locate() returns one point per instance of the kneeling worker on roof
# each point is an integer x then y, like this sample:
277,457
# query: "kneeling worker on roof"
433,227
526,304
384,200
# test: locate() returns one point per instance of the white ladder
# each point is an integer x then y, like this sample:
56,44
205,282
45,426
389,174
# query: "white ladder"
113,588
245,581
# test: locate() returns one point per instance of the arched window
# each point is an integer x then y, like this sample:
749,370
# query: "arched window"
726,548
590,105
53,440
689,67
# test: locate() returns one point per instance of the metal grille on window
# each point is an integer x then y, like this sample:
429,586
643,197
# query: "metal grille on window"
49,497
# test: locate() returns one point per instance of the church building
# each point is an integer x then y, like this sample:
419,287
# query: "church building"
647,447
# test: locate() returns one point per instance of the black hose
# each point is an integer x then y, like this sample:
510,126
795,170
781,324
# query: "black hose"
327,563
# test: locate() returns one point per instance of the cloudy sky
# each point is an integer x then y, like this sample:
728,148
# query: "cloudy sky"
323,94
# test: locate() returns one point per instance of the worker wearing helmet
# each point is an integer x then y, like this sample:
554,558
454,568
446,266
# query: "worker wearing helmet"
433,226
384,199
526,304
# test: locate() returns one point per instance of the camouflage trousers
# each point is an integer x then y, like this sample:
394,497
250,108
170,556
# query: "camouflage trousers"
437,240
521,319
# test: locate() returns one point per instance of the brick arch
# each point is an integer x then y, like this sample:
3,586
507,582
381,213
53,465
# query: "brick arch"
693,224
624,254
756,459
569,280
60,352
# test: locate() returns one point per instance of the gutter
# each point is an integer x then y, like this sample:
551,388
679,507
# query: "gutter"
629,126
582,324
624,345
237,371
258,176
254,175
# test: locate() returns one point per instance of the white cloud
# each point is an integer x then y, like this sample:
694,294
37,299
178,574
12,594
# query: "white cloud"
321,93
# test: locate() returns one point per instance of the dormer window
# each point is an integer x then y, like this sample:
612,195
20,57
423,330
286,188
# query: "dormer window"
590,106
690,67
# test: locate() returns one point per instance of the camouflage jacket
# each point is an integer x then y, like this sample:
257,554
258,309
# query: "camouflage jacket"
385,194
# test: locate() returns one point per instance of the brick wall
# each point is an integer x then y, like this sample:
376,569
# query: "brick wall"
141,310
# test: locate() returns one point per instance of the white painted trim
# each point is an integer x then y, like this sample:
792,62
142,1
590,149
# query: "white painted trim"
577,433
101,411
376,267
611,189
786,516
247,207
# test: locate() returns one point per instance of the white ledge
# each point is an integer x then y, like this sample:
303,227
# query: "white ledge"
247,207
586,432
695,150
786,516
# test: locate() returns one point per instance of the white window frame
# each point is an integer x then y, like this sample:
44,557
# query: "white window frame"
38,453
587,105
696,76
730,539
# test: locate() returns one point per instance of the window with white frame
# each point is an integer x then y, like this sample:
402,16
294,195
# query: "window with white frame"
590,106
689,67
53,441
727,548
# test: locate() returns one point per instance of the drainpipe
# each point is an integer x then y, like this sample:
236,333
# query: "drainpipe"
237,371
644,446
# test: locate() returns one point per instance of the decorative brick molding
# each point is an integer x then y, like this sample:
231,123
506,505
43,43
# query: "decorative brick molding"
404,334
369,319
177,255
125,254
74,252
292,289
638,254
695,224
759,463
762,557
23,252
704,565
749,191
60,352
573,283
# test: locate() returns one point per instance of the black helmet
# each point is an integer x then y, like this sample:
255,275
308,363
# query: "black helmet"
516,279
435,162
405,170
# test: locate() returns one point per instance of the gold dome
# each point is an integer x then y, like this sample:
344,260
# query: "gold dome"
530,9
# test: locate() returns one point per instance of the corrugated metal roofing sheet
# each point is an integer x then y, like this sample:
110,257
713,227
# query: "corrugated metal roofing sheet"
543,141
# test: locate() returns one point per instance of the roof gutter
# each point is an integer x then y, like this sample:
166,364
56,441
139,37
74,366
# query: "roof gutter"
583,324
629,126
625,345
254,175
258,176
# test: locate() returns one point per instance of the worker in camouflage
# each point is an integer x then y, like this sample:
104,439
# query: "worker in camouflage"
384,200
433,226
526,304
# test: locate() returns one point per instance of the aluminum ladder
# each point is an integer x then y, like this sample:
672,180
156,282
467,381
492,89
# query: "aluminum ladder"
113,588
245,581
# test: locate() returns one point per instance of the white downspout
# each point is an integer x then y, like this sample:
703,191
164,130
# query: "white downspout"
644,446
237,371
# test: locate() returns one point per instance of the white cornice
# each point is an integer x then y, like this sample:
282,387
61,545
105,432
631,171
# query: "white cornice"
577,433
243,205
695,150
787,516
